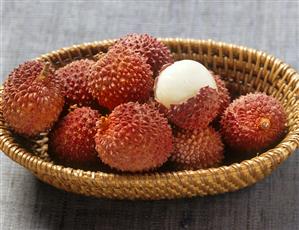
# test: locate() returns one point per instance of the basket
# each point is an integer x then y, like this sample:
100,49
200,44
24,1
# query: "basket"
247,70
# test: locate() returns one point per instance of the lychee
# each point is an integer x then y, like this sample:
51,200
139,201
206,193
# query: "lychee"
197,149
31,99
135,137
156,53
189,92
224,96
71,142
73,78
120,76
253,122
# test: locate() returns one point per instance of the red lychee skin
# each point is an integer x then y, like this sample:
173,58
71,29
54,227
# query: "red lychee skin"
156,53
253,123
73,77
32,101
71,142
120,76
197,149
224,96
197,112
134,138
158,106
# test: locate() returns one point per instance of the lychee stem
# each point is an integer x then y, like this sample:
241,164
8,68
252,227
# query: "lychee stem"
264,123
45,71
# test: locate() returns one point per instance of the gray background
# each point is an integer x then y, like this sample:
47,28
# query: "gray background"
31,28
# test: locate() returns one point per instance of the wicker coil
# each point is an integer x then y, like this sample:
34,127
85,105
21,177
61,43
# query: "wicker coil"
247,70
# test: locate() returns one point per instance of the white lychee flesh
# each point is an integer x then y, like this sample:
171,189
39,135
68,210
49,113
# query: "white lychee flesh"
180,81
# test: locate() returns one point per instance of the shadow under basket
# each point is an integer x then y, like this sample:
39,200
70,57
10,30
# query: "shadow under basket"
244,70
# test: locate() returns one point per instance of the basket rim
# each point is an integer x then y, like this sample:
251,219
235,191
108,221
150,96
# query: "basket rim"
21,156
178,39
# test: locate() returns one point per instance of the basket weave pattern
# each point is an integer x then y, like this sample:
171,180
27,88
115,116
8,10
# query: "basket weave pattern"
246,69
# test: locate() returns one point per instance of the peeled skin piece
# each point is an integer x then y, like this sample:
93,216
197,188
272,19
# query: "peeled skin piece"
224,95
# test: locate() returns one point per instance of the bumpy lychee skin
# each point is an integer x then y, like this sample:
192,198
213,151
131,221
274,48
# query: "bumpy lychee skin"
224,96
156,53
189,92
158,106
73,78
197,112
31,99
71,142
197,149
120,76
253,123
134,138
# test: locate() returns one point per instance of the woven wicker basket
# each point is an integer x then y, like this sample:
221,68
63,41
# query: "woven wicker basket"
246,69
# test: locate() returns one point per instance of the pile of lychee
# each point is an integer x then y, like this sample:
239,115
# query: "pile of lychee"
158,110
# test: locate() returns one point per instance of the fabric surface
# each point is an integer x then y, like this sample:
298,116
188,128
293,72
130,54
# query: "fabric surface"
31,28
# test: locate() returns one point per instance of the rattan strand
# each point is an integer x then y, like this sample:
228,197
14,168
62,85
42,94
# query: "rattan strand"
247,70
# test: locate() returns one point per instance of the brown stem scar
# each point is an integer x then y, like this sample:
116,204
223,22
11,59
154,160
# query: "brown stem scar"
44,73
264,123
